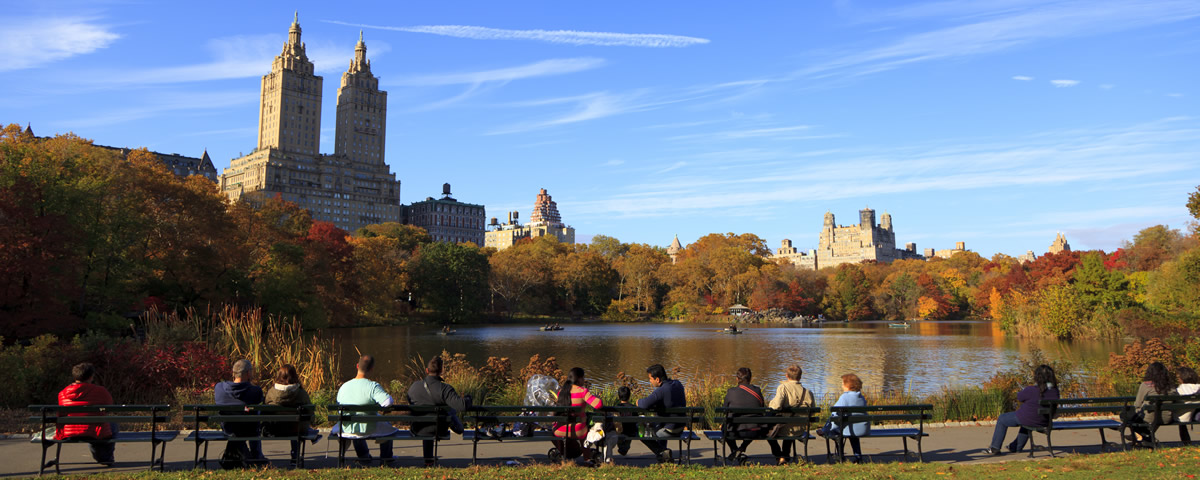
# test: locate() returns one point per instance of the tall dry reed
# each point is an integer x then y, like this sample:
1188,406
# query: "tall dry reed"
268,342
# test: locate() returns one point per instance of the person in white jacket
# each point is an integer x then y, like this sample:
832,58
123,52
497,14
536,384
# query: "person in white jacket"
1189,384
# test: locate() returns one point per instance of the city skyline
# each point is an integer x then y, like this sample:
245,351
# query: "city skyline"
996,123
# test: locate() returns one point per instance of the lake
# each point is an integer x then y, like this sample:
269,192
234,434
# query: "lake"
920,359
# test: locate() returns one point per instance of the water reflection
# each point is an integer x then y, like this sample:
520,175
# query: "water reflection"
921,359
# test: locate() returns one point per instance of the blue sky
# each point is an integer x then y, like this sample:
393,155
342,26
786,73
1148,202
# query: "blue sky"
994,122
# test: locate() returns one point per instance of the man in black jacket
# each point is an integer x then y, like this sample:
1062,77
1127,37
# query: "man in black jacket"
667,393
432,391
744,395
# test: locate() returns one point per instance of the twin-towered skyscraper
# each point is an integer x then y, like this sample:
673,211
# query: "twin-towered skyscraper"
351,188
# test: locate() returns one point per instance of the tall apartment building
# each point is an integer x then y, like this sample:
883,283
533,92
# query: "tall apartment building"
544,221
351,188
447,219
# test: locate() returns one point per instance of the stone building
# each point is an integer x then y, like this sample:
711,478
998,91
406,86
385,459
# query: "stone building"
840,244
447,219
674,249
544,221
949,252
1060,244
806,260
351,188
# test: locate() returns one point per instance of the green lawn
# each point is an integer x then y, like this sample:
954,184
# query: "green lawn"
1168,463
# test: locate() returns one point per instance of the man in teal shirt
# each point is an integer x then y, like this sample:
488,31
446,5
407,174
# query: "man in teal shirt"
363,391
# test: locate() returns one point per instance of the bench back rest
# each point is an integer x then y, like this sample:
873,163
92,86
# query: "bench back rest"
840,417
797,416
686,416
1176,404
1081,406
436,414
493,414
59,415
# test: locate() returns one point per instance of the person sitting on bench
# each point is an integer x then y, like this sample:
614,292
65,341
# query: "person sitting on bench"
1044,388
241,391
363,391
851,397
1156,382
82,392
1189,384
667,393
433,391
789,394
744,395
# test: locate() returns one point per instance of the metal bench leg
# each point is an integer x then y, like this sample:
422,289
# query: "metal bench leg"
57,458
341,452
1049,445
920,450
905,440
42,466
806,459
475,448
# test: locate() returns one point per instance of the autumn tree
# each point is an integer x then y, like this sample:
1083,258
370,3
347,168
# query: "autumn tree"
451,280
586,279
848,296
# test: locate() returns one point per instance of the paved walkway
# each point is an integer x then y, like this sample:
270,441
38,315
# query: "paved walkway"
953,445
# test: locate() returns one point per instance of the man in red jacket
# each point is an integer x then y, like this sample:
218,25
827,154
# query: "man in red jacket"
82,393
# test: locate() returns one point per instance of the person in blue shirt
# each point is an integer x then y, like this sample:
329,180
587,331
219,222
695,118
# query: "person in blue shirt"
851,397
363,391
1027,415
667,393
241,391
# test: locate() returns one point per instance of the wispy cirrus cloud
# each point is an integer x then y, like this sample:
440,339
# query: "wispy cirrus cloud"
556,66
1022,78
33,42
598,105
1064,83
796,132
1085,157
569,37
989,27
236,56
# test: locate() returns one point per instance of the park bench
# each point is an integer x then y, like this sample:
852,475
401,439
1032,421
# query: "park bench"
687,416
486,422
792,416
1079,407
1176,404
840,417
58,416
406,414
201,415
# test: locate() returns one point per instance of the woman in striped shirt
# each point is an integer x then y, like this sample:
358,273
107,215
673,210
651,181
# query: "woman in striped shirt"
573,393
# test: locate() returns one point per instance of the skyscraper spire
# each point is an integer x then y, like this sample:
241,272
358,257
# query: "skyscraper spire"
360,40
296,18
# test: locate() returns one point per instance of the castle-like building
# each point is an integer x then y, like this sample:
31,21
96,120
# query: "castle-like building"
351,188
544,221
840,244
